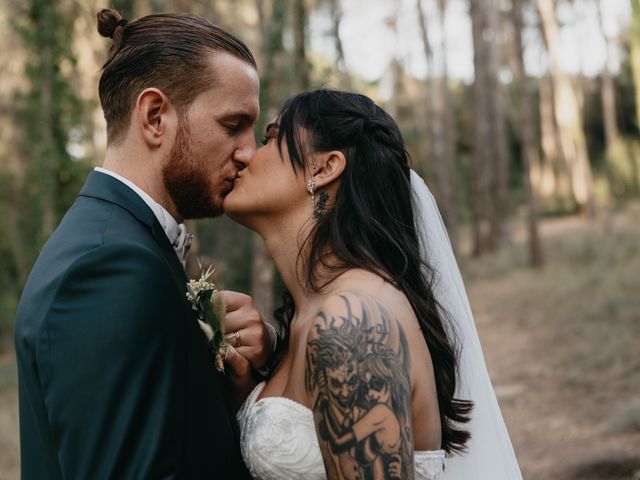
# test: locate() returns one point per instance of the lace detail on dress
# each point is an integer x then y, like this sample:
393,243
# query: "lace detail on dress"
429,465
278,442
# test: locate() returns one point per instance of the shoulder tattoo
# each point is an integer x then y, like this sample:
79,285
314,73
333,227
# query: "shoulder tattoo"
358,374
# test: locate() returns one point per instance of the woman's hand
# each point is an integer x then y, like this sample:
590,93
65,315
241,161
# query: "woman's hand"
245,330
237,368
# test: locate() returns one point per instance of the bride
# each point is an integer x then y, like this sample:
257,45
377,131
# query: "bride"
367,382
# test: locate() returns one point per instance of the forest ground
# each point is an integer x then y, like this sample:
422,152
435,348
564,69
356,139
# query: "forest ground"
562,345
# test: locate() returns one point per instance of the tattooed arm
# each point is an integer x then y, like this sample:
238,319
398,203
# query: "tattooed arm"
358,377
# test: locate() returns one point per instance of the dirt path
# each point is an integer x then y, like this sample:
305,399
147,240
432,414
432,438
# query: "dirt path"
558,432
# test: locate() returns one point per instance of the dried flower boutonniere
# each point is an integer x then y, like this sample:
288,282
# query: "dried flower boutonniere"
210,309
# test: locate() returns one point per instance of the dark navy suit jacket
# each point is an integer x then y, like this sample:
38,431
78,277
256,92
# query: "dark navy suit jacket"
115,378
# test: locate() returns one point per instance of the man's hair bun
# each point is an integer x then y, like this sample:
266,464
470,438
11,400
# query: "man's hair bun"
108,23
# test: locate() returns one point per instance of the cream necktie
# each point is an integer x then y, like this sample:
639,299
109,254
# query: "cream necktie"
182,243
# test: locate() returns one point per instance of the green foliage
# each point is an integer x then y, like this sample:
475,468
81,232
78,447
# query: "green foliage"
9,269
50,112
229,247
50,116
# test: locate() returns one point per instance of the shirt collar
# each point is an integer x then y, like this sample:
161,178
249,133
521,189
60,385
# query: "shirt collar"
166,220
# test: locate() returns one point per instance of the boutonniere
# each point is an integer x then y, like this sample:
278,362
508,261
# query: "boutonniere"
208,303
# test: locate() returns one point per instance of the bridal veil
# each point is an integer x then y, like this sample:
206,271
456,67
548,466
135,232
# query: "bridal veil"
489,453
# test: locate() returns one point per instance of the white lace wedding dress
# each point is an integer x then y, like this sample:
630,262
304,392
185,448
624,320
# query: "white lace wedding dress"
278,442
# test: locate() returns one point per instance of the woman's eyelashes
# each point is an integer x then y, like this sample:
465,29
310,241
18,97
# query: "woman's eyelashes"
266,139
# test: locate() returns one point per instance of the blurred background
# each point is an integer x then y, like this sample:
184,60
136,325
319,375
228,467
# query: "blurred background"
523,117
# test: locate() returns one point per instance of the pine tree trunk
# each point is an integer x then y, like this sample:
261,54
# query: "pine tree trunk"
480,156
126,8
527,134
567,112
634,60
272,51
500,212
44,17
395,69
262,276
635,53
336,18
621,167
547,182
608,91
435,112
301,64
489,159
449,129
10,203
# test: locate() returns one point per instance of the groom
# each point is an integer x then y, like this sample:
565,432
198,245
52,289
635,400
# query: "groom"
115,377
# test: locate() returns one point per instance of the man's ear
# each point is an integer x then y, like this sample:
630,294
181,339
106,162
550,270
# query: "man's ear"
155,116
327,167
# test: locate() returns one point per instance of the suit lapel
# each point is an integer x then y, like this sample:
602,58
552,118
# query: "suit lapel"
110,189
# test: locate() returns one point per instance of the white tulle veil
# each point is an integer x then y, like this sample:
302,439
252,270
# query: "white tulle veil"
490,454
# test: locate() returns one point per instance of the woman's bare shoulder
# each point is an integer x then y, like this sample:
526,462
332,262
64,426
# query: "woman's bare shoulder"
357,290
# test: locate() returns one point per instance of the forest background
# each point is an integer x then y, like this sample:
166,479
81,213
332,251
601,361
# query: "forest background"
521,114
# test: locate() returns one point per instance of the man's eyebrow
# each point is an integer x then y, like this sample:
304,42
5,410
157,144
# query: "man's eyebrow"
239,116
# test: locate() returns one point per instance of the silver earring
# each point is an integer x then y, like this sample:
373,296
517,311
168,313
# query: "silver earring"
311,188
321,205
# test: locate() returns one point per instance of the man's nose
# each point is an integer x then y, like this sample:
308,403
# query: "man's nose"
245,151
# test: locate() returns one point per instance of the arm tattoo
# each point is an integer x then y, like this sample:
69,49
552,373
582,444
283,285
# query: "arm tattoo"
358,373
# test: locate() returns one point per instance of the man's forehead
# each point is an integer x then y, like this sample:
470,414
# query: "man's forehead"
234,74
235,86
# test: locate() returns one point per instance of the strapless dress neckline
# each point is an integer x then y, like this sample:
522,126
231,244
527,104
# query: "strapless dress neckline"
278,442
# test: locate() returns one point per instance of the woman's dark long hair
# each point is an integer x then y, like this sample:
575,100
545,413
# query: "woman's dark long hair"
370,224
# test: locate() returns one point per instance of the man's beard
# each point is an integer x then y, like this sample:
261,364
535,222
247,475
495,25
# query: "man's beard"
185,179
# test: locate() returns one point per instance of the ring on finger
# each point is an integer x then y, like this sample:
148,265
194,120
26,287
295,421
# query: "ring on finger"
234,338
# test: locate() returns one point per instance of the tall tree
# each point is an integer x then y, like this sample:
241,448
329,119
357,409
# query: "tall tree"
50,111
335,7
301,63
567,113
125,7
448,119
620,165
526,130
272,18
607,89
15,261
437,104
553,178
489,159
395,72
635,53
47,111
